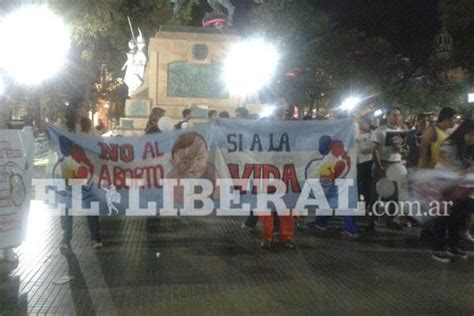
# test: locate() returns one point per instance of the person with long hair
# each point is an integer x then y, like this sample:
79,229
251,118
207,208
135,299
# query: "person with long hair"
77,121
152,124
456,155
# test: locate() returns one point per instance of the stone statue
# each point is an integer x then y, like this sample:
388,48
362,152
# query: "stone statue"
216,6
135,65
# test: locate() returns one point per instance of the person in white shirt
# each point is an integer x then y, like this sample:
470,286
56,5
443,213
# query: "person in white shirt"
388,149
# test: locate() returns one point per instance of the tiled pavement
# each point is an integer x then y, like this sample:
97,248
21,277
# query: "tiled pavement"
208,265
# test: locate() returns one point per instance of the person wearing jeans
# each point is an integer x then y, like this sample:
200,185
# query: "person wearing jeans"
92,223
77,121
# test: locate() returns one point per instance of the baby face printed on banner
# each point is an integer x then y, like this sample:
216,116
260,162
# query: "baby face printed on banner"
189,156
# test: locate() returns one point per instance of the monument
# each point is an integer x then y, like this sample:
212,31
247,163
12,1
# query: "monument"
184,70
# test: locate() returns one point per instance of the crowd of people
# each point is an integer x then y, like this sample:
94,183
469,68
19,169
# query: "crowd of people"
438,142
433,143
442,142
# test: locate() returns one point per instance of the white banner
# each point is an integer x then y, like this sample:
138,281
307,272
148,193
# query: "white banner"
16,172
304,156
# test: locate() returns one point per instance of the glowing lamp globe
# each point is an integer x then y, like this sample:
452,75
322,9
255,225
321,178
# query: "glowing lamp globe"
35,43
249,66
350,103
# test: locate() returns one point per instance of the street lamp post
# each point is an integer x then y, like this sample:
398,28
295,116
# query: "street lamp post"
36,47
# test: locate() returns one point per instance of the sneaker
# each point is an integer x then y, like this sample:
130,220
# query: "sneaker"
456,252
266,244
441,256
288,244
97,244
348,234
467,237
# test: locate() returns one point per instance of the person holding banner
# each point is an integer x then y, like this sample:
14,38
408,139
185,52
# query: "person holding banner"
77,121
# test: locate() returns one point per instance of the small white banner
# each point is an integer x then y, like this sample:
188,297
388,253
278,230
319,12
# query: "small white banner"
16,172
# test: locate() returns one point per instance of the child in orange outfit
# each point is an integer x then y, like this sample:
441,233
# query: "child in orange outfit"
287,230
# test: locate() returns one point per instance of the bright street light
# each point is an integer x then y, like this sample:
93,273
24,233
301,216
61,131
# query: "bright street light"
34,44
470,98
350,103
378,113
267,111
249,66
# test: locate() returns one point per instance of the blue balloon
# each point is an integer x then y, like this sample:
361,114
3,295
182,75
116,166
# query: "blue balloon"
65,145
325,144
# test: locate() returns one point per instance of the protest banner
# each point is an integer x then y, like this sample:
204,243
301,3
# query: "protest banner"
16,172
227,158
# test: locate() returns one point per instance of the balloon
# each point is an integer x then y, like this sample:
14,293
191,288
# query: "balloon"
385,188
337,148
77,154
339,168
82,173
165,124
65,145
397,172
324,144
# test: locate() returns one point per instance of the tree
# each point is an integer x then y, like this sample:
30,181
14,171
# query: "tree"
458,17
321,64
99,34
100,31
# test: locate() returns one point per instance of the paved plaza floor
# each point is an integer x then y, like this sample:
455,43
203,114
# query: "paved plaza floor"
209,265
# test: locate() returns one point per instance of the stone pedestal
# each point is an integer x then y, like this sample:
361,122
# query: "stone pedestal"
184,70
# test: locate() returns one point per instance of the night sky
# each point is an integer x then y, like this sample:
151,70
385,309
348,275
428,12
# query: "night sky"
410,25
